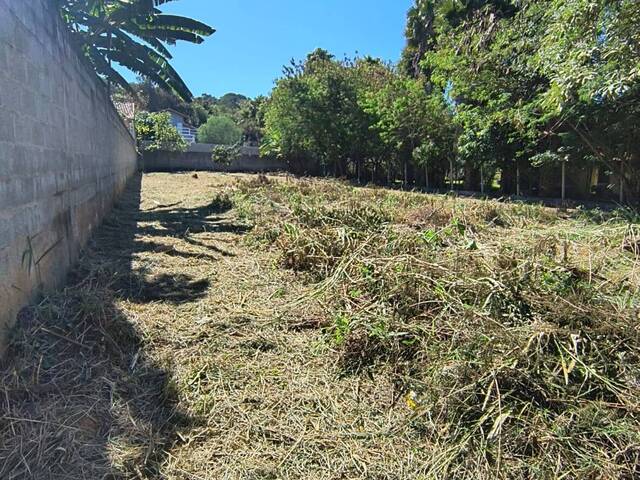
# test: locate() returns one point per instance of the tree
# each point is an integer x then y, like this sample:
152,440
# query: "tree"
530,90
220,130
154,132
226,154
356,118
589,52
408,117
134,34
251,118
231,102
314,120
420,34
481,57
527,77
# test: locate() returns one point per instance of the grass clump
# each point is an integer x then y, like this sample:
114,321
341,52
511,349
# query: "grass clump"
511,330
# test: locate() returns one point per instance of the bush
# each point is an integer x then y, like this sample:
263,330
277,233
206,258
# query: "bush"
219,130
155,132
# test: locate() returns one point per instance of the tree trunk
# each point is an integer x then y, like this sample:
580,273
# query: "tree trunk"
564,181
426,176
471,178
406,173
451,174
621,181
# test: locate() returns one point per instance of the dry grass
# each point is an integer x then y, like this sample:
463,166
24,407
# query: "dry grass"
237,327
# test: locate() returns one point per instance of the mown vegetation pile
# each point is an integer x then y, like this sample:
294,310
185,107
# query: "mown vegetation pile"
511,329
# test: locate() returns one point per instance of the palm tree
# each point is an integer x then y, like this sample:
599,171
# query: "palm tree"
420,36
134,34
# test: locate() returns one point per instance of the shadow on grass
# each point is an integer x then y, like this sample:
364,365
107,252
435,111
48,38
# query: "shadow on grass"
180,222
184,223
81,394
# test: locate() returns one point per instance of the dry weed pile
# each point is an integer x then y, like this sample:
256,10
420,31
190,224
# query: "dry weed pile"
512,329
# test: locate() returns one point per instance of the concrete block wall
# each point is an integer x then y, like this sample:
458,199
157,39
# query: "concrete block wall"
198,157
65,154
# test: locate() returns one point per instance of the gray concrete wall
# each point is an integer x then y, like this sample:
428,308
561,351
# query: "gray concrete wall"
65,154
198,157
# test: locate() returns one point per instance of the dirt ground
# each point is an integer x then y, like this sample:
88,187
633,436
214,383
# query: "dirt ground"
180,350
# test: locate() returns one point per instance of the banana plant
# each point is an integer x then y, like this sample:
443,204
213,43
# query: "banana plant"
133,34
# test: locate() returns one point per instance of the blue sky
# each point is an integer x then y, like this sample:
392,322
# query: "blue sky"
255,38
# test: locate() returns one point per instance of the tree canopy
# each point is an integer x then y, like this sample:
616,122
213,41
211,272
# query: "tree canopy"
355,118
486,90
220,130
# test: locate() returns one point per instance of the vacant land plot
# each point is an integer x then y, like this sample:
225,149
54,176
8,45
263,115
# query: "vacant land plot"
244,327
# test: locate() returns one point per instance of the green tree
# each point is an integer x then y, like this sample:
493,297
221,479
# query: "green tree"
420,34
231,102
315,118
589,51
134,34
407,118
535,79
357,118
481,57
251,118
220,130
516,90
154,132
226,154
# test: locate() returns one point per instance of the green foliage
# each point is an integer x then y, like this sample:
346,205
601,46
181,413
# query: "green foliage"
590,49
229,104
226,154
530,80
356,118
149,97
485,90
154,132
309,114
251,118
134,34
219,130
413,125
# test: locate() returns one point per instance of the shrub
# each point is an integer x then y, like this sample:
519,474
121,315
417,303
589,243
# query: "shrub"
155,132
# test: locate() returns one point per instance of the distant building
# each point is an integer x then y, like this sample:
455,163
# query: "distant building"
181,123
127,111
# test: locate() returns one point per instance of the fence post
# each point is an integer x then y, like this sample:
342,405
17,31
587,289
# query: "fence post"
451,174
563,180
621,181
406,173
426,176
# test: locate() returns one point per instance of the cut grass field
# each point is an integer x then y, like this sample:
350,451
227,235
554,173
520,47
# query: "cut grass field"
245,327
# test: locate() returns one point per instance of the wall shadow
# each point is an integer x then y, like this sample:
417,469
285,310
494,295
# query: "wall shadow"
181,221
80,394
